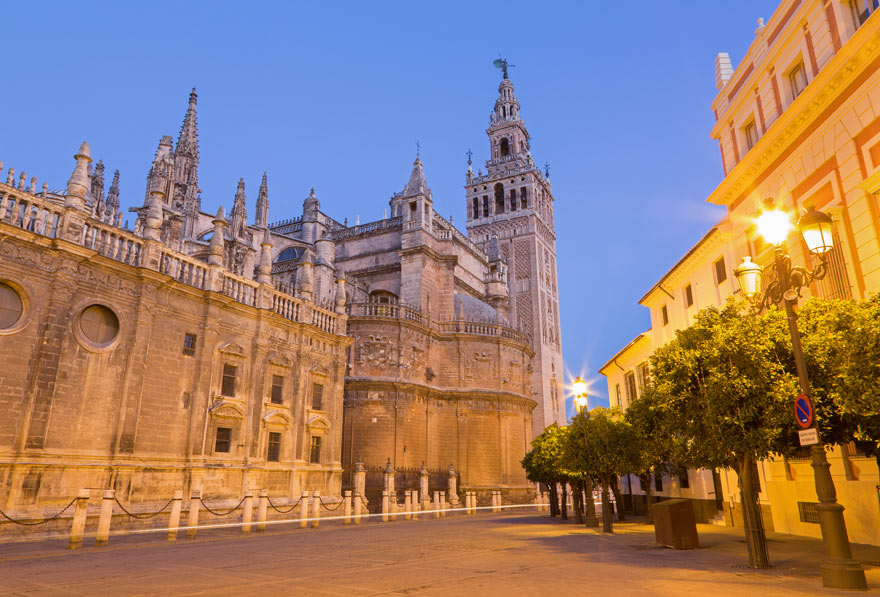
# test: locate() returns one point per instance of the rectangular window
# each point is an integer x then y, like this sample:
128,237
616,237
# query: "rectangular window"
684,481
750,132
277,389
512,199
861,10
273,453
223,440
720,271
631,392
315,450
688,296
658,482
664,314
619,397
189,344
485,206
644,378
317,396
797,80
228,387
476,208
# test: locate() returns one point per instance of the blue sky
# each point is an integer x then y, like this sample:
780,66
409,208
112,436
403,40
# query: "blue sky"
335,95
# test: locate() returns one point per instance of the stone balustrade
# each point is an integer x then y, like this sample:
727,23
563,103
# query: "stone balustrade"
23,209
112,242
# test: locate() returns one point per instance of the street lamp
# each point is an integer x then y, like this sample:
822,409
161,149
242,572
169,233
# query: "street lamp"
581,399
839,569
581,404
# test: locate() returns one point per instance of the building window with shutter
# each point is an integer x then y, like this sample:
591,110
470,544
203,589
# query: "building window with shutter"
315,450
797,80
861,10
273,452
688,296
720,271
277,389
228,386
750,134
223,440
317,396
664,315
630,380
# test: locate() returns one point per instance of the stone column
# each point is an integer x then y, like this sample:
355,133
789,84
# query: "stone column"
346,508
193,519
262,505
424,490
174,517
304,510
453,486
247,512
79,519
105,518
316,508
388,477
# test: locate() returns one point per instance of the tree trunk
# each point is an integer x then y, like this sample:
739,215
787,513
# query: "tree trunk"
554,503
578,501
591,505
564,512
647,490
606,507
615,489
756,540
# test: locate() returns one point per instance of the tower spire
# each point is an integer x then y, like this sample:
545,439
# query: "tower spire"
113,195
239,210
186,163
261,219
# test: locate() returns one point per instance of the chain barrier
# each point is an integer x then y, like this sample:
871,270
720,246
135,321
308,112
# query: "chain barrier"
44,521
277,509
142,516
326,507
230,511
364,500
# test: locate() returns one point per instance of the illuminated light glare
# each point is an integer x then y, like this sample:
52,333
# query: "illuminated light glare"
579,387
774,225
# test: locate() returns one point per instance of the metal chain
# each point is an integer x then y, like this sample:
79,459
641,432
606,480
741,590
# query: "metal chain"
44,521
329,509
142,516
363,500
289,510
230,511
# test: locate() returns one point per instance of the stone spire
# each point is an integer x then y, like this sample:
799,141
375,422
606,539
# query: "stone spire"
506,106
186,162
264,270
261,220
239,211
417,184
113,194
216,246
78,184
97,189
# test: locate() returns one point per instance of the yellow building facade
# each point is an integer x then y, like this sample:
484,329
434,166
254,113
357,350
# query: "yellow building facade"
797,121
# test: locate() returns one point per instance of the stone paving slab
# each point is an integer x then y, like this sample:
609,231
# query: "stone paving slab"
487,554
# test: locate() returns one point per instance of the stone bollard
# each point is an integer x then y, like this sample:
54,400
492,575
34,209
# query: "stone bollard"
357,508
192,523
262,506
385,506
174,517
304,510
467,503
443,505
346,508
103,535
415,505
393,506
79,519
247,512
316,509
436,504
407,505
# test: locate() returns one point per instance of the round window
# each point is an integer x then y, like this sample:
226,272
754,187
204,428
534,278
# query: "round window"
99,325
11,306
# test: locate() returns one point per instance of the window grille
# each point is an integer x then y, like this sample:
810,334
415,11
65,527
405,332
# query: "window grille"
223,440
808,512
315,450
228,386
273,452
277,389
189,344
317,396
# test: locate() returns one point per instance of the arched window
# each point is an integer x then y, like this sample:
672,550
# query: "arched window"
499,198
382,299
512,199
505,147
289,254
524,197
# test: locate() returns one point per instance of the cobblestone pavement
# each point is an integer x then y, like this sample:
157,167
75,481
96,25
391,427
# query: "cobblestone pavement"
486,554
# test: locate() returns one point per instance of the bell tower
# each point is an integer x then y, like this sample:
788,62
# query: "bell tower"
513,201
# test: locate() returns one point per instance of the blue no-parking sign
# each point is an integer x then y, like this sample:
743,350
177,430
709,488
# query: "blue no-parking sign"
803,411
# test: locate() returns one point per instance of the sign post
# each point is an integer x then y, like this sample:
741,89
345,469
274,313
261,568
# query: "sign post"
804,415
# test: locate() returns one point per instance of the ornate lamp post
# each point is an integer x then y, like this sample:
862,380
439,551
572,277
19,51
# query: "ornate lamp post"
839,569
582,403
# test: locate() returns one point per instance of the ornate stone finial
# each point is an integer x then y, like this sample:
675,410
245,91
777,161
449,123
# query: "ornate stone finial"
22,180
78,184
359,465
154,217
261,220
384,213
469,154
423,469
45,189
10,177
264,271
357,220
345,222
451,469
340,292
546,169
33,188
388,468
216,245
113,194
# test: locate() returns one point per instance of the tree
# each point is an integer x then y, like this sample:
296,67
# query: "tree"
601,444
725,385
543,463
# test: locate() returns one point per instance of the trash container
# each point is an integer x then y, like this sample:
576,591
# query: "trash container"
675,525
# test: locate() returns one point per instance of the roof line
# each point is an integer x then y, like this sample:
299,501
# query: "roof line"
623,350
677,263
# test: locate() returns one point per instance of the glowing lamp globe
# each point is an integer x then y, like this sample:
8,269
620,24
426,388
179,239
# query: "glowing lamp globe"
815,226
748,274
580,402
579,387
774,225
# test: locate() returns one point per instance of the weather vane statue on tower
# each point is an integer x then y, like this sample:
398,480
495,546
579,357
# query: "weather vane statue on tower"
502,64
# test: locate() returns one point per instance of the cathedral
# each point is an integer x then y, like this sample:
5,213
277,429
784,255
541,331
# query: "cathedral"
224,353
